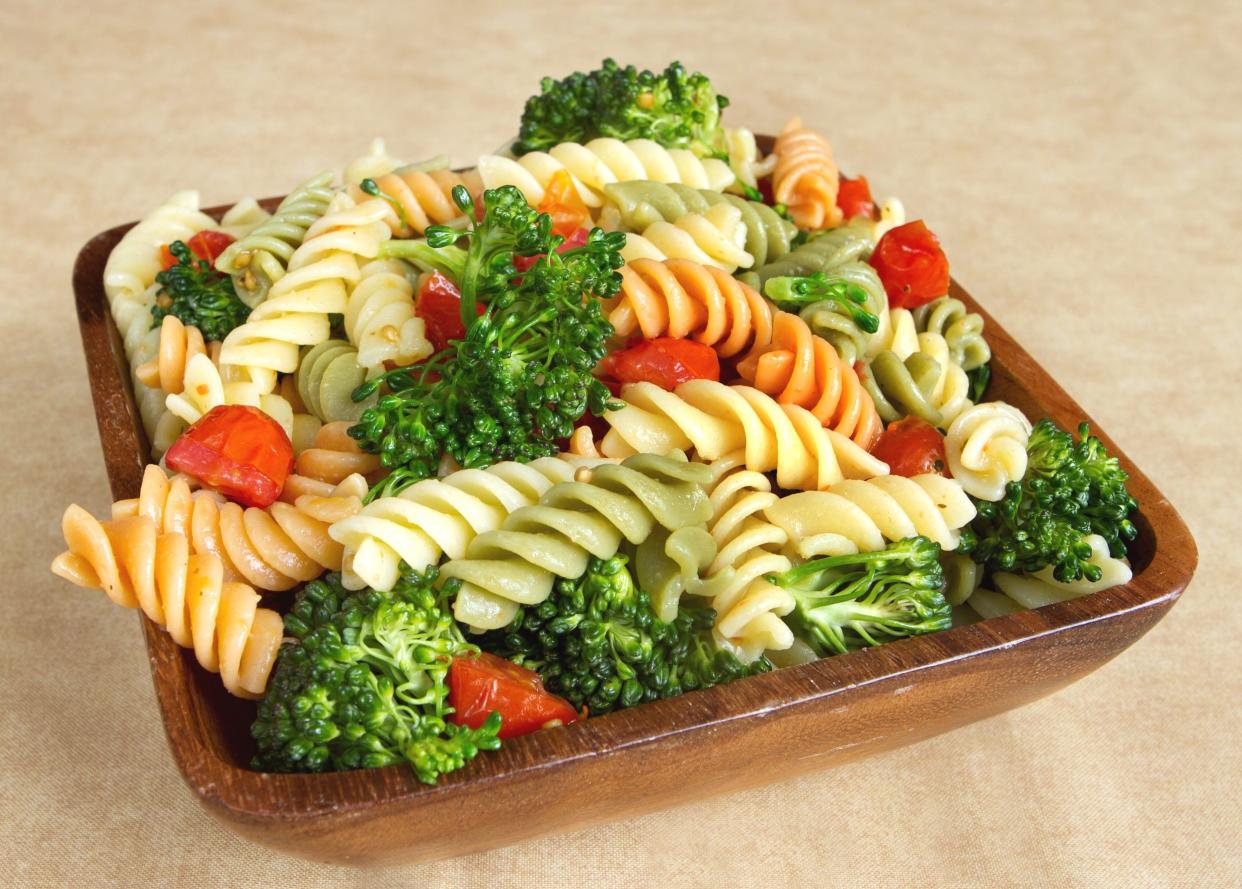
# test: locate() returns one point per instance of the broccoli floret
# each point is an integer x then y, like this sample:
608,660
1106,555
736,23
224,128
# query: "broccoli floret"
1070,490
363,683
198,295
673,108
596,642
843,603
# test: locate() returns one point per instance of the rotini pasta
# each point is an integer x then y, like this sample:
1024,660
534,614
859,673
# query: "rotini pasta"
986,448
639,205
437,517
1015,592
961,329
864,516
805,178
271,549
258,260
590,516
327,375
749,547
422,194
716,238
177,345
333,456
797,367
716,421
744,157
183,592
928,384
380,319
600,162
320,273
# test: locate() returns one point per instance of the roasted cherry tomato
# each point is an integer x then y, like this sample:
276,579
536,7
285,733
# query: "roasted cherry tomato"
911,264
237,450
665,361
912,447
205,245
481,683
439,305
577,239
854,199
562,202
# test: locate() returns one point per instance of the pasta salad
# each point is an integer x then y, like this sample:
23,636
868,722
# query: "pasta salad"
628,409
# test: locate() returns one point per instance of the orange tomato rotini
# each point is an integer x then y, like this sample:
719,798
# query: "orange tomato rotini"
805,178
798,367
423,198
333,456
182,591
178,344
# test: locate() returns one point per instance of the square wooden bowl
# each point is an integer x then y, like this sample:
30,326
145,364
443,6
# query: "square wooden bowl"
754,731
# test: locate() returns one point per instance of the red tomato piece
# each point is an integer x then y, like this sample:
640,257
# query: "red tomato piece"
911,264
237,450
912,446
765,191
665,361
576,239
854,199
479,684
439,305
562,202
205,245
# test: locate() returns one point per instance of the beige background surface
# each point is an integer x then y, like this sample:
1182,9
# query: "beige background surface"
1082,170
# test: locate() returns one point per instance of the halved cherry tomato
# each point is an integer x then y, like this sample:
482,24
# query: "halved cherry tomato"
854,199
205,245
911,264
665,361
912,446
439,305
562,202
765,191
577,239
237,450
479,684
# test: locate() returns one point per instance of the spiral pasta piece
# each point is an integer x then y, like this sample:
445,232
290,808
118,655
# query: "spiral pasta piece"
422,197
321,272
183,592
129,285
749,547
600,162
638,205
438,517
684,299
327,376
716,421
517,563
744,157
864,516
1015,592
333,456
805,178
380,319
716,238
961,329
986,448
797,367
259,259
178,343
272,549
928,384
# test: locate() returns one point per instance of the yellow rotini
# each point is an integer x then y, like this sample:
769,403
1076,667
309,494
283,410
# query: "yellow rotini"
1015,592
745,159
182,591
600,162
438,517
717,421
986,448
864,516
749,547
805,178
320,274
592,515
272,549
715,237
380,319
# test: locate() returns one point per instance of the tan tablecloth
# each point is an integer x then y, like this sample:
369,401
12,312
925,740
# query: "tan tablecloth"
1081,169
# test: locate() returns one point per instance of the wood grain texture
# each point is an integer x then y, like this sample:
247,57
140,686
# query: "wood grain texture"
760,729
